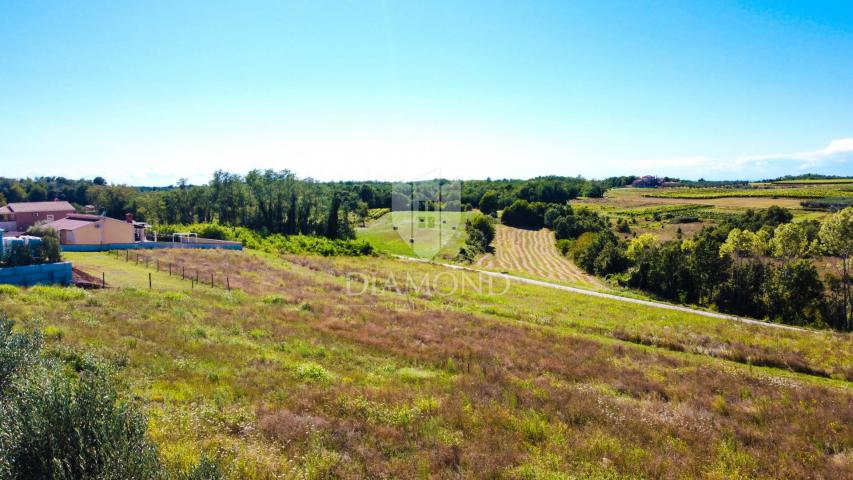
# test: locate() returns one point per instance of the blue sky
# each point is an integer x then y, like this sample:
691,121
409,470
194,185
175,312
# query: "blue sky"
152,92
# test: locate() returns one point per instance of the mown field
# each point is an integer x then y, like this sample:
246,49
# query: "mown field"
300,371
532,253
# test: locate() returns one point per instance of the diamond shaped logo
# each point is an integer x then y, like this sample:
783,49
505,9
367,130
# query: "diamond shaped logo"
426,214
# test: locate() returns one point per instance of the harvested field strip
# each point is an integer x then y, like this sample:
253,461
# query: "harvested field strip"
532,252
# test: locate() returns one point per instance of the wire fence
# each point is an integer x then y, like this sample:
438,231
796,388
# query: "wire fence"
192,274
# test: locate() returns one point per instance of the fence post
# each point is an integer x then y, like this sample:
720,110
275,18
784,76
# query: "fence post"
127,255
149,280
211,279
183,272
170,269
103,280
227,283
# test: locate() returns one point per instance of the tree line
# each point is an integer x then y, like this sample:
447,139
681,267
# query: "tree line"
758,264
278,202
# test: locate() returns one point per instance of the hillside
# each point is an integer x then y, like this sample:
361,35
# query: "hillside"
300,372
532,253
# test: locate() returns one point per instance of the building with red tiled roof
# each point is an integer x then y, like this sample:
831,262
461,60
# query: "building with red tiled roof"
19,216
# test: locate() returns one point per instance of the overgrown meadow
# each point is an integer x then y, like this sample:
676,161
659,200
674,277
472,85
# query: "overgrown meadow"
290,374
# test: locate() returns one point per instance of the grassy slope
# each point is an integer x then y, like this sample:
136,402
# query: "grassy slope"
298,378
533,254
384,238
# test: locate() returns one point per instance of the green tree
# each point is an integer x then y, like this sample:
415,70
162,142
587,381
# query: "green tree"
481,232
37,193
836,240
789,241
794,293
641,244
489,203
332,224
16,193
593,190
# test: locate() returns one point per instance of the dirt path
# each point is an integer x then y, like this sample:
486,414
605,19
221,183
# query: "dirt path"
592,293
532,252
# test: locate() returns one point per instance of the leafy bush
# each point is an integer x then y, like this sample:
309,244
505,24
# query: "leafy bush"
598,253
277,243
313,372
523,214
48,250
564,245
481,232
489,203
45,250
377,213
60,425
575,222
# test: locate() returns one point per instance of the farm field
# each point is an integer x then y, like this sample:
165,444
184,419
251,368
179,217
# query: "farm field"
793,192
817,181
622,198
292,375
648,214
429,230
532,253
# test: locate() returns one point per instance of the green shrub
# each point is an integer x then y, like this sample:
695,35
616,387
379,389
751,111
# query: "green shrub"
9,290
313,372
524,214
65,427
276,243
60,425
481,232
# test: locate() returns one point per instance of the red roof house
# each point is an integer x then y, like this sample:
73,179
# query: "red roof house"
20,216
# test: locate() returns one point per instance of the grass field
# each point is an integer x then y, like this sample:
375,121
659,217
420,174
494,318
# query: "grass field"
793,192
291,375
532,253
635,205
435,235
818,181
631,198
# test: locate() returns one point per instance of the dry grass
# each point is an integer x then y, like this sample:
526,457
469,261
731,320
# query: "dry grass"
400,385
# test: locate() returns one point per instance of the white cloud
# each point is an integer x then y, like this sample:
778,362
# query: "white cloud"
838,151
831,159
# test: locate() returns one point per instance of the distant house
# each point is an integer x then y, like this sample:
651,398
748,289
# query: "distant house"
647,181
79,229
19,216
